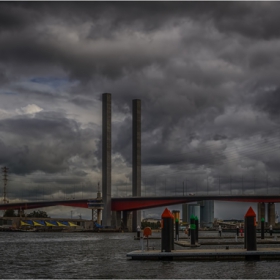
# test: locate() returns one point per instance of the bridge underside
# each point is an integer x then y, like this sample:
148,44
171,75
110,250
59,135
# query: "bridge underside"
138,203
83,203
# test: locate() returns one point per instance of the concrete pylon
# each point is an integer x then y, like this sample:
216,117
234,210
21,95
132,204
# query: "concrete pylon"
116,219
261,212
271,214
136,158
106,158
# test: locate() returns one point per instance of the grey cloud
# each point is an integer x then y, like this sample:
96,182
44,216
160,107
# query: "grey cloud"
43,143
254,21
269,101
14,18
258,21
207,75
83,102
219,137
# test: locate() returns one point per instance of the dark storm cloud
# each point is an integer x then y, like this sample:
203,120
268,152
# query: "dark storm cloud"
45,143
269,101
36,44
250,19
14,18
256,21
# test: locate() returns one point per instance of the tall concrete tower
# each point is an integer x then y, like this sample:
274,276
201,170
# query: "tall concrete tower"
106,158
136,158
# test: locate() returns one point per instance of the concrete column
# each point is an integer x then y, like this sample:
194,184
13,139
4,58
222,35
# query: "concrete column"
20,213
106,158
271,214
127,220
261,212
116,219
136,158
124,220
99,216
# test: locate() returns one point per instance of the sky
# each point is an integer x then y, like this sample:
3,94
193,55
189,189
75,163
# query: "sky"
207,75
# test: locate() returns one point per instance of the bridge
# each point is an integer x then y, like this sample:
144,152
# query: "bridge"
126,205
139,203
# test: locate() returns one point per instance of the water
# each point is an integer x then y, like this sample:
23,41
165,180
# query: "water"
103,255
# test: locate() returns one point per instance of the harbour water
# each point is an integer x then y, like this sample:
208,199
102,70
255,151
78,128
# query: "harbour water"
103,255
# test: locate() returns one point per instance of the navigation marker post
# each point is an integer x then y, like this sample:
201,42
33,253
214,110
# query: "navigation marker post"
166,231
250,239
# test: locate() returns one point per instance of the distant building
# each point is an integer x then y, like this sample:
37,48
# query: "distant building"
190,209
207,213
204,210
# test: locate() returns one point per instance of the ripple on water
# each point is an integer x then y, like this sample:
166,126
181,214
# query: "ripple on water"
103,255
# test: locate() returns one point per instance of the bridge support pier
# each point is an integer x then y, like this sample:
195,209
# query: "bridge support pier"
261,212
99,216
271,214
116,219
20,213
127,220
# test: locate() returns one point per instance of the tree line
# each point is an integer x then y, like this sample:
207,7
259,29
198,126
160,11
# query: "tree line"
34,214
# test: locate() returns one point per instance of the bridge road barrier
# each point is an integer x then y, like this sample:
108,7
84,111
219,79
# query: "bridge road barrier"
250,240
167,231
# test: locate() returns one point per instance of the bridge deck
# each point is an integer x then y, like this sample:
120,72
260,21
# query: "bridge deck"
138,203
